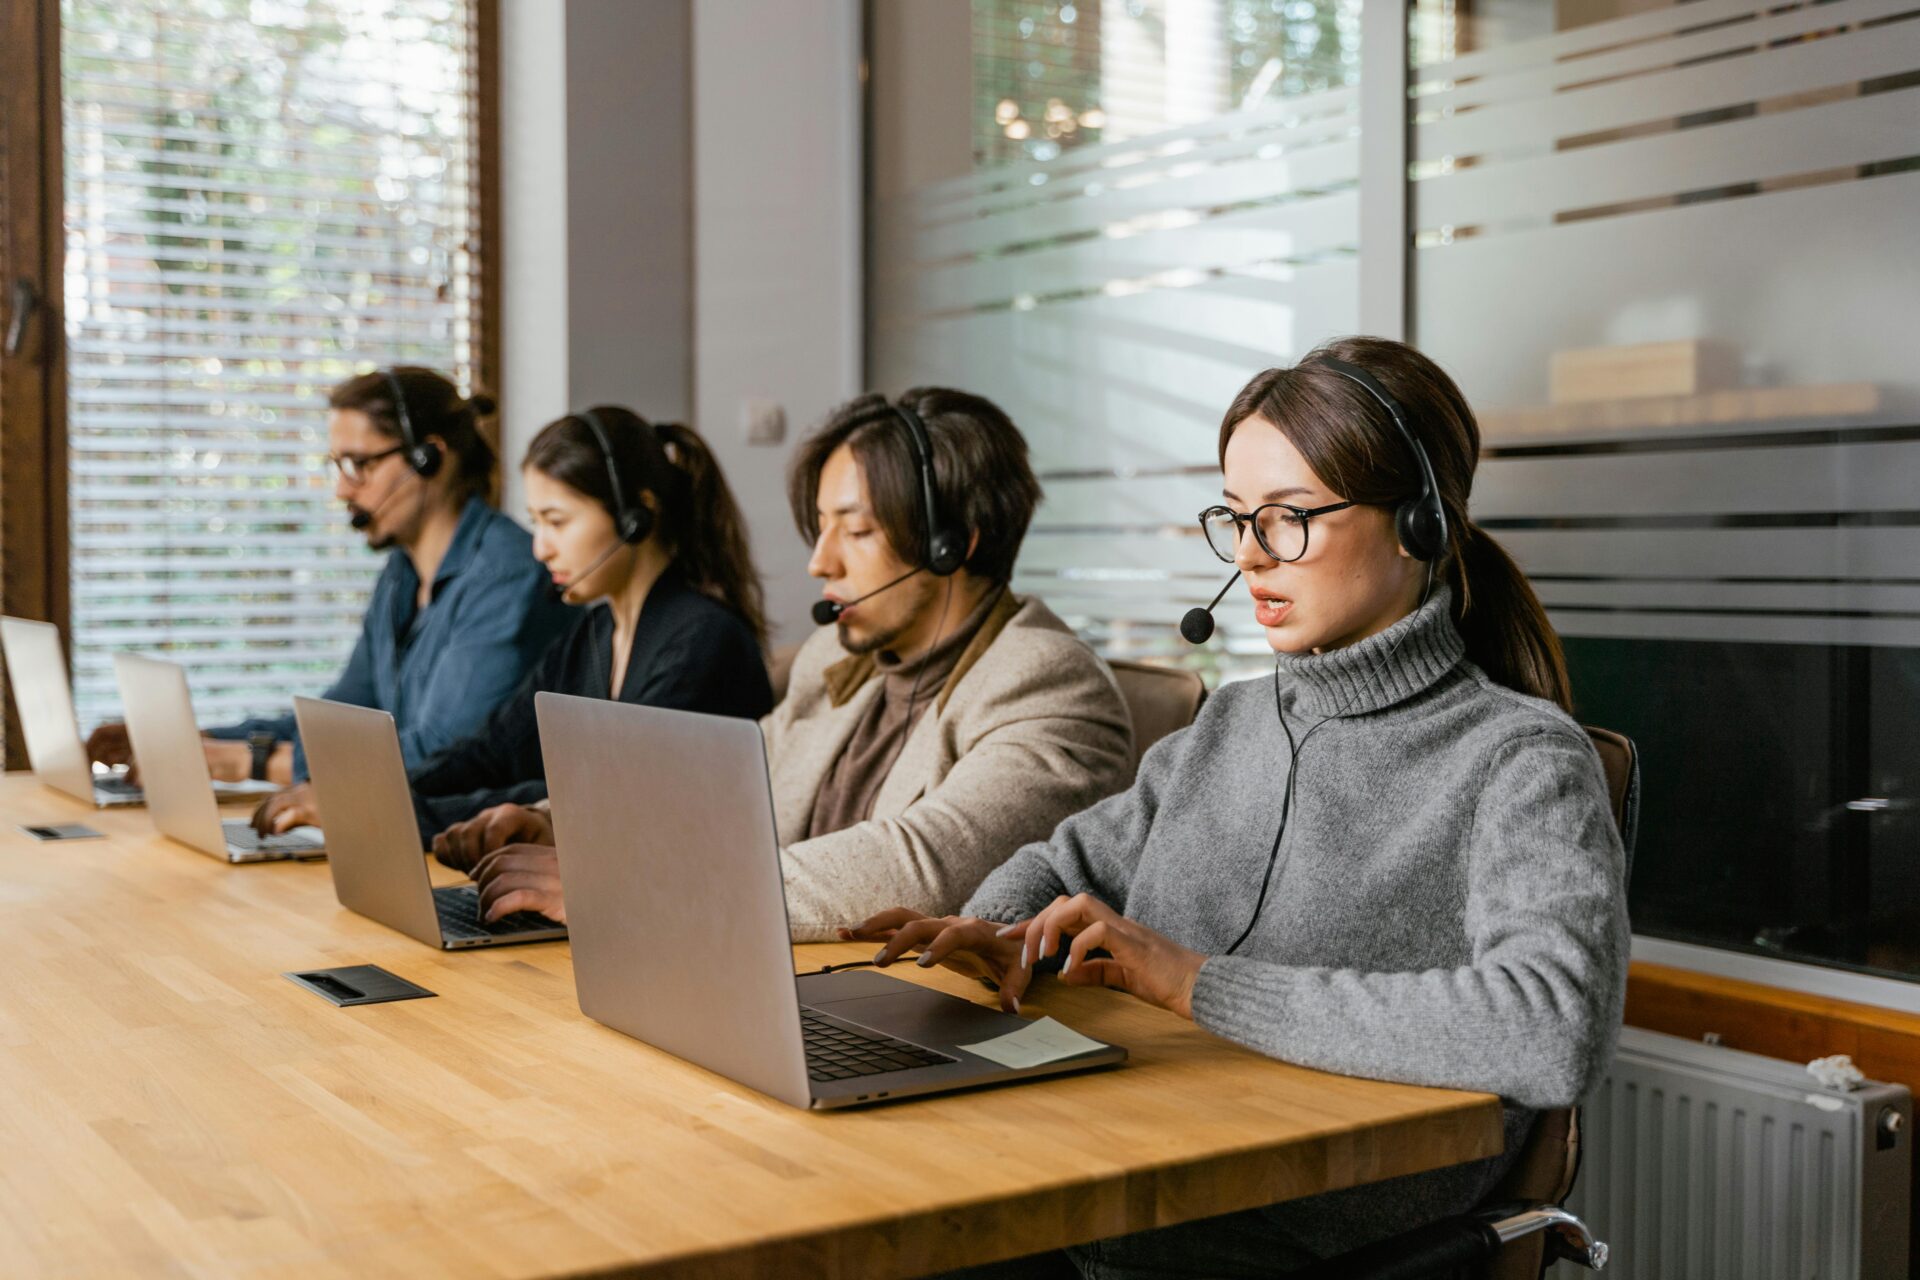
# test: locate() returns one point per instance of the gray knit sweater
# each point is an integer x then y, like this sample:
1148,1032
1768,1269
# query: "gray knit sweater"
1446,907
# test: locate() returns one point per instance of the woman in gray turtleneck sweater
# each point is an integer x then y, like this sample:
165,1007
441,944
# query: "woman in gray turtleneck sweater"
1396,858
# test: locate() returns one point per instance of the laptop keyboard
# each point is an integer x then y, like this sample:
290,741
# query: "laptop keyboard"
835,1052
114,785
243,838
459,910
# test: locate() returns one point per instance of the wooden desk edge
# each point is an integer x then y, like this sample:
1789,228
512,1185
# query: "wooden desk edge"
979,1231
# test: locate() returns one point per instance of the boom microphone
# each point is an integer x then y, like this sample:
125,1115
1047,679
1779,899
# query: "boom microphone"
1197,626
362,517
825,611
566,593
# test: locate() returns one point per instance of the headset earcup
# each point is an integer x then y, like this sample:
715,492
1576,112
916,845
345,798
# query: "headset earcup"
637,525
946,552
1421,529
425,459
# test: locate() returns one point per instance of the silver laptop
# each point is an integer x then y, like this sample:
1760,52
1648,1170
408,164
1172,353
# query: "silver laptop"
373,839
173,769
38,672
678,912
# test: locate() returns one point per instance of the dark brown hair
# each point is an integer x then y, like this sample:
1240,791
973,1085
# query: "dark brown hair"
695,517
435,407
1349,440
982,481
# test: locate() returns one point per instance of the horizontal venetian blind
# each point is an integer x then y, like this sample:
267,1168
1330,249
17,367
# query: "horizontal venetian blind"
262,197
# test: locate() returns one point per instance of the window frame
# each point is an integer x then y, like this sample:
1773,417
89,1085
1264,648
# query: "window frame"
35,528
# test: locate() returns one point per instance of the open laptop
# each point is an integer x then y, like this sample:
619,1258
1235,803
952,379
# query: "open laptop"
678,913
373,839
173,769
38,672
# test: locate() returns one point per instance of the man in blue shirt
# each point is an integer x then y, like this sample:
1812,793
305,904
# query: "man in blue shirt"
462,609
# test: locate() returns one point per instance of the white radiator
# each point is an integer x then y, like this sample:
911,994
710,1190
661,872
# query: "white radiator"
1702,1162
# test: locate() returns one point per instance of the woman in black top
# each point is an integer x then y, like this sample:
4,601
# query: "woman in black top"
637,520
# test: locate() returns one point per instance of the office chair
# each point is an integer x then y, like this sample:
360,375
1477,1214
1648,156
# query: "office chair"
1159,699
1522,1226
780,669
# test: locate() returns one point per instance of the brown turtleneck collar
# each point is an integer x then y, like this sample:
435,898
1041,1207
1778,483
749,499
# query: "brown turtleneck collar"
910,687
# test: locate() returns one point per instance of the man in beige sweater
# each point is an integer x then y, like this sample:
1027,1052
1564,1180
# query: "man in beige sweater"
940,725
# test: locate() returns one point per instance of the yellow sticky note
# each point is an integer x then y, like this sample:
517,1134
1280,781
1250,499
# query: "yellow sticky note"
1034,1045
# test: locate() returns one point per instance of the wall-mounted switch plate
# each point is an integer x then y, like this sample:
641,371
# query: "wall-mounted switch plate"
765,422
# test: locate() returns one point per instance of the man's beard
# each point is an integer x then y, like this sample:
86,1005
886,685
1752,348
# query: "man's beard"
872,643
387,536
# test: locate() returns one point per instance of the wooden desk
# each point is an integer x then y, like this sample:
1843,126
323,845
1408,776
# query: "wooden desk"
169,1104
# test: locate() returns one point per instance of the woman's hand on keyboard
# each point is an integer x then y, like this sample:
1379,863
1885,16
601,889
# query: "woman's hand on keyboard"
962,943
520,877
462,845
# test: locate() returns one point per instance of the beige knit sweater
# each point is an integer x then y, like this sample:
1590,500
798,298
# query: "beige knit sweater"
1029,729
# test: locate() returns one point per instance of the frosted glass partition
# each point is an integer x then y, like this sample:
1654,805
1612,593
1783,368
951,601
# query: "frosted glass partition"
1674,258
1112,299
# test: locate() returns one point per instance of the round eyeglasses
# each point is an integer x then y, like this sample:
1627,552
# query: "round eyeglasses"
1280,529
357,466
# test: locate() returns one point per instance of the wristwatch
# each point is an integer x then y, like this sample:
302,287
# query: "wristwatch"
261,743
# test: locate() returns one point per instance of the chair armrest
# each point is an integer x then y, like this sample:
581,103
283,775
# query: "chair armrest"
1567,1236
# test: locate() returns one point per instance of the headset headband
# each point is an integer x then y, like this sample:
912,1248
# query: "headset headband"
400,414
1420,521
946,549
424,458
627,520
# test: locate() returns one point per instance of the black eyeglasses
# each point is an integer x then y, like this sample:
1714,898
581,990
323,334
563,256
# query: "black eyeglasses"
354,466
1281,530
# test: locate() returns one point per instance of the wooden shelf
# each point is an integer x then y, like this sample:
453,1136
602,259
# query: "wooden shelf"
1711,409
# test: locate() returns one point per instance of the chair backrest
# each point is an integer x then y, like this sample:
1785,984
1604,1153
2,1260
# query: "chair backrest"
780,668
1621,760
1548,1163
1160,700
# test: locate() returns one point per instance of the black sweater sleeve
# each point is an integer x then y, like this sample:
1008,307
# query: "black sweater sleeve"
506,748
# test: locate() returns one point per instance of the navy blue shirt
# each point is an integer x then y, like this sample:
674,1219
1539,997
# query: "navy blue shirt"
690,652
441,669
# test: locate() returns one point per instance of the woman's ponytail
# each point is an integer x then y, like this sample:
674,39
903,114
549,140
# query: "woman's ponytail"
1502,621
710,542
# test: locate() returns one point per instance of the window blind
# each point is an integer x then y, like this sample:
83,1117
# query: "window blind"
262,197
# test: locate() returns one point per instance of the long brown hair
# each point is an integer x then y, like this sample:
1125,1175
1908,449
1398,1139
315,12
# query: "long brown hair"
435,407
1349,440
695,517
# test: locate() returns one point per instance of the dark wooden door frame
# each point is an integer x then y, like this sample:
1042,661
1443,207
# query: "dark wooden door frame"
33,375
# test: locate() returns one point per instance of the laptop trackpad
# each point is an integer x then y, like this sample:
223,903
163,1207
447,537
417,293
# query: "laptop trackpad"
905,1011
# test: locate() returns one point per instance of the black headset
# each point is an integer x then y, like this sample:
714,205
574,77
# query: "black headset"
946,545
632,521
423,456
1420,521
